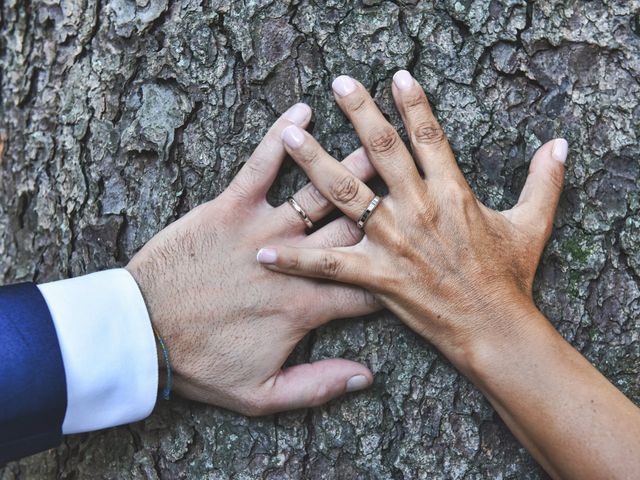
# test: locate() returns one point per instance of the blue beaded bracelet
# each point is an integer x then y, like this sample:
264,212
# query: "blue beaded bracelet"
166,391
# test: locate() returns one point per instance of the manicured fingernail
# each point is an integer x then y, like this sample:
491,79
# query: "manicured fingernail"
357,382
560,149
267,255
403,80
293,136
343,85
298,113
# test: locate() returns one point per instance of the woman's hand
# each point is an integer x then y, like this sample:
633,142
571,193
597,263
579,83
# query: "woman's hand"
460,274
230,324
455,271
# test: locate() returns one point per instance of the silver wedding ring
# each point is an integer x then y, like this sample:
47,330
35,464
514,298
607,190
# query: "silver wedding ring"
305,218
368,211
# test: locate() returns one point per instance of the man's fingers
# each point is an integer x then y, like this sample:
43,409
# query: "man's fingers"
428,140
342,232
336,264
313,202
313,384
259,172
384,146
331,178
539,198
336,300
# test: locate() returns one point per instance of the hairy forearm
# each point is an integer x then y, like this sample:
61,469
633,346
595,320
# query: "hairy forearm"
571,419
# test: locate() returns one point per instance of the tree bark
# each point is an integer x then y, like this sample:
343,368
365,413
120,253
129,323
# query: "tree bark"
119,116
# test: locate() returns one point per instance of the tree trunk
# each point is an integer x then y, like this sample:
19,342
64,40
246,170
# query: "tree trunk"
119,116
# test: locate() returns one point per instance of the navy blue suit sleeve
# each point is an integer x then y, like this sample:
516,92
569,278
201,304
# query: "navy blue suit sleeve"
33,391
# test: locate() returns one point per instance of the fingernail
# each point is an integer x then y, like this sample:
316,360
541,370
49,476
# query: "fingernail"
560,149
357,382
267,255
343,85
403,80
293,136
298,113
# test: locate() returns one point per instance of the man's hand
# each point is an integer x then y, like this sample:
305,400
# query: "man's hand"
230,324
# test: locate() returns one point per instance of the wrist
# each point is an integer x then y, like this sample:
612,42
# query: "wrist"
503,334
145,290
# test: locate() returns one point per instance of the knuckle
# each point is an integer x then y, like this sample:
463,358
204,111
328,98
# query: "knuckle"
428,211
329,266
292,262
456,193
425,207
309,155
238,190
320,395
398,243
254,169
415,100
250,175
345,189
384,141
428,133
355,104
389,279
556,178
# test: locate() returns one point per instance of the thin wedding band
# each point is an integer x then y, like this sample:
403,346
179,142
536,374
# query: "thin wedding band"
305,218
368,211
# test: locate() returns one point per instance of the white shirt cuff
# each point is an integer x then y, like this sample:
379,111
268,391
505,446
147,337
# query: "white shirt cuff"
108,349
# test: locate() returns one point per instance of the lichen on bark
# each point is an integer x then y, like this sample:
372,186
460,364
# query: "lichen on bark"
120,115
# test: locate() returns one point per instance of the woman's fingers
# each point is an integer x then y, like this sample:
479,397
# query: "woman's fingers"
337,264
314,203
429,143
258,173
384,146
312,384
333,180
539,198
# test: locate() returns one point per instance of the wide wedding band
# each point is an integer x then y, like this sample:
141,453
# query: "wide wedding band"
303,215
368,211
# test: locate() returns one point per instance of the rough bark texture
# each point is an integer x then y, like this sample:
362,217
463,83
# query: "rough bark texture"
121,115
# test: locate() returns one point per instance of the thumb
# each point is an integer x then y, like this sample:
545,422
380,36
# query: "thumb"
313,384
539,198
